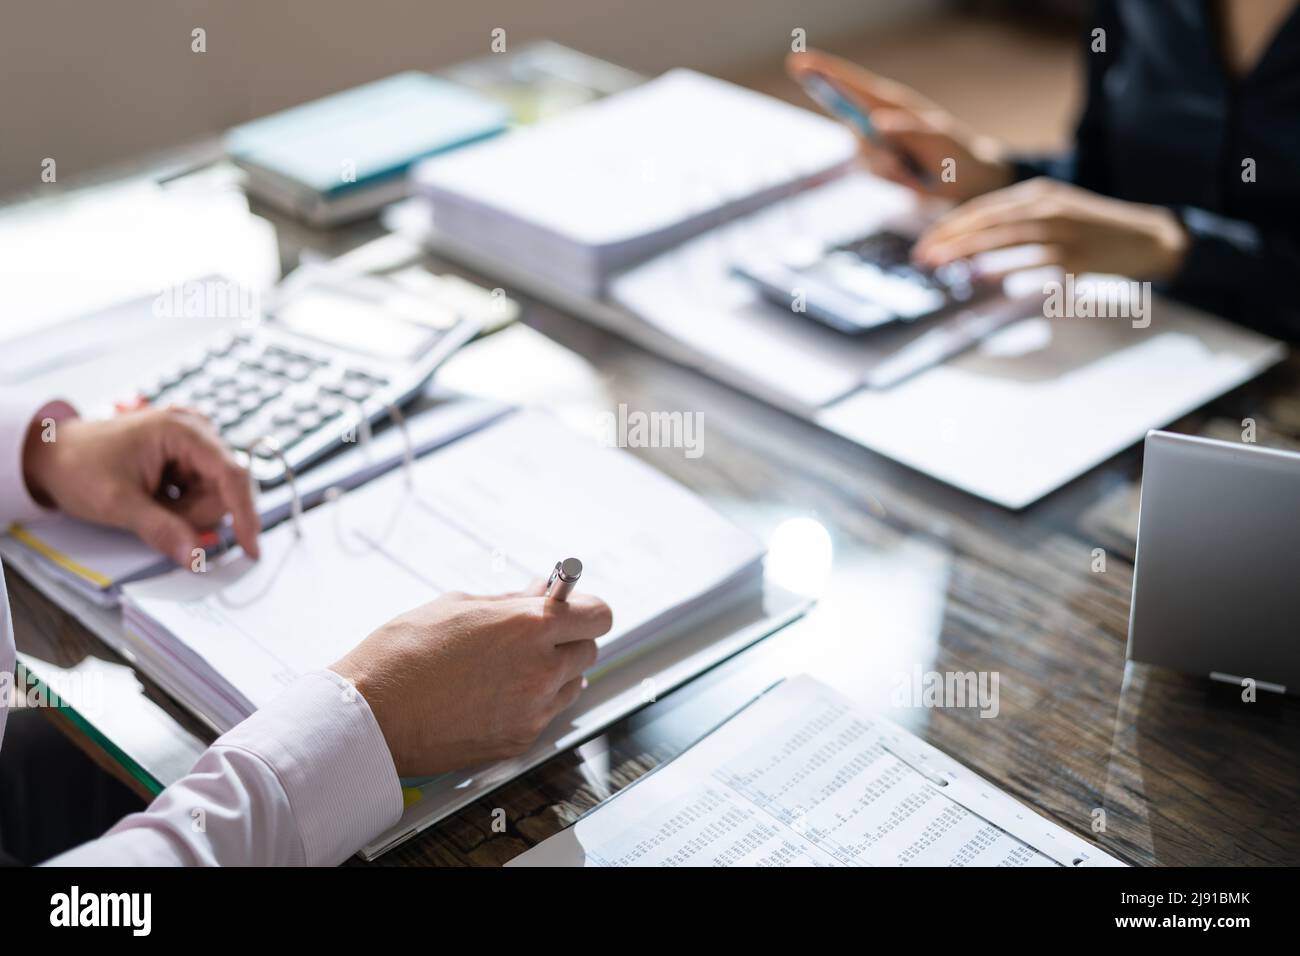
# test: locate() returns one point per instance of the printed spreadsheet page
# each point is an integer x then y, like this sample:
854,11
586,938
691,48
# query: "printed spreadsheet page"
801,777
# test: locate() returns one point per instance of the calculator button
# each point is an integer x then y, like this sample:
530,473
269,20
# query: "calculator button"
310,421
250,402
227,416
242,436
223,348
327,375
329,407
154,389
283,418
170,379
295,356
287,437
356,390
297,371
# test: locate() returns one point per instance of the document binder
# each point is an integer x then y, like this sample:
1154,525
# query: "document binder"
478,515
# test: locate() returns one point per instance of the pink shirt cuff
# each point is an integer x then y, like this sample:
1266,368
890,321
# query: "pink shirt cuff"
16,417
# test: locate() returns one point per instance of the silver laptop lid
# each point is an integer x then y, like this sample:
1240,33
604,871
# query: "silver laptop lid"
1216,584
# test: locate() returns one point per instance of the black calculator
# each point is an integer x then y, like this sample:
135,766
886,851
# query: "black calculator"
307,380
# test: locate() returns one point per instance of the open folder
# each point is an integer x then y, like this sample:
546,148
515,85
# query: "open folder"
486,514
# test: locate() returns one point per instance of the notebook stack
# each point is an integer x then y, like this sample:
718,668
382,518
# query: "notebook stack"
577,198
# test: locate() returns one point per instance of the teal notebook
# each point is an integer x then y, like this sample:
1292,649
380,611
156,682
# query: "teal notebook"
365,136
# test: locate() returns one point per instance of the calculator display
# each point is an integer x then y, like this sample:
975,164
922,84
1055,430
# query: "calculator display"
355,325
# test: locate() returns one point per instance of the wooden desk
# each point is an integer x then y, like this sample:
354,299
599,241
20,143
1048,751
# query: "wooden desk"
925,577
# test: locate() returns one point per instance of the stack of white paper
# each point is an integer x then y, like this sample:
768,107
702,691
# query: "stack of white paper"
487,514
576,198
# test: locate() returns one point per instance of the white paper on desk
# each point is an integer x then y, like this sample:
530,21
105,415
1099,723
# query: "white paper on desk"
1042,401
801,777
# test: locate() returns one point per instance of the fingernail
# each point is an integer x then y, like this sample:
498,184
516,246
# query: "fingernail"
585,683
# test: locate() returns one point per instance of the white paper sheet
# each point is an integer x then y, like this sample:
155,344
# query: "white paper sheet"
802,778
1044,400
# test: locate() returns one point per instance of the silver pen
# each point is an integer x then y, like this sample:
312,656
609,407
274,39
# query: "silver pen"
563,578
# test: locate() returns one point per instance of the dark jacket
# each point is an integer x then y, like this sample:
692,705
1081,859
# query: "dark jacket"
1165,123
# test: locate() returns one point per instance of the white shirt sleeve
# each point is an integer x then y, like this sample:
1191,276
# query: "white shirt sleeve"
16,504
16,416
308,779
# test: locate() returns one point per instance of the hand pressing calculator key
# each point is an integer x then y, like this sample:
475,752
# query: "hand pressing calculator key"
305,380
857,286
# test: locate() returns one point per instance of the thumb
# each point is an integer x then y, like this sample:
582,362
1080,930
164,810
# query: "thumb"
902,126
161,529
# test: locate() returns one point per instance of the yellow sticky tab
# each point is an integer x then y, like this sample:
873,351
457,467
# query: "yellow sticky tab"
57,557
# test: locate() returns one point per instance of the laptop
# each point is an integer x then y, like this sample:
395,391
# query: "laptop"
1216,581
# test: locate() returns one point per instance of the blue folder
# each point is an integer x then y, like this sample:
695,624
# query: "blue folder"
364,136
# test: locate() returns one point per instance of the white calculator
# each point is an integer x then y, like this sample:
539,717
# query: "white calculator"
309,378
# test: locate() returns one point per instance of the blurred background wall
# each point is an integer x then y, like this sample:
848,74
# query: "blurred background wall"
92,82
98,82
